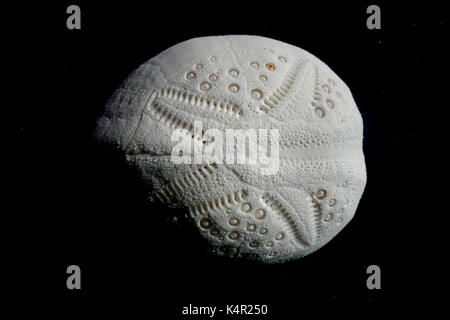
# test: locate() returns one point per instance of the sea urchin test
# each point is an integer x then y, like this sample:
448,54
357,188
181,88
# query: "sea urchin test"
257,141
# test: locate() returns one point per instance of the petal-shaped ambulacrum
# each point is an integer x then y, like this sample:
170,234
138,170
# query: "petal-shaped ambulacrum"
304,132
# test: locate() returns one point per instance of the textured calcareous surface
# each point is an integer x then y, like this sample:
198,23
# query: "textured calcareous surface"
244,82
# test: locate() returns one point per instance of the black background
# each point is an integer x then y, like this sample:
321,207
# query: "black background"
76,203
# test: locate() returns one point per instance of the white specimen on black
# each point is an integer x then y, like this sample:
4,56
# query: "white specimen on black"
245,82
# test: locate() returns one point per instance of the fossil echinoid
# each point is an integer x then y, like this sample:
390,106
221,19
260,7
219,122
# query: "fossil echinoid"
245,82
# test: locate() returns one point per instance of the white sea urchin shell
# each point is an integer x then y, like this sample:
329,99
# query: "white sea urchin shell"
244,82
